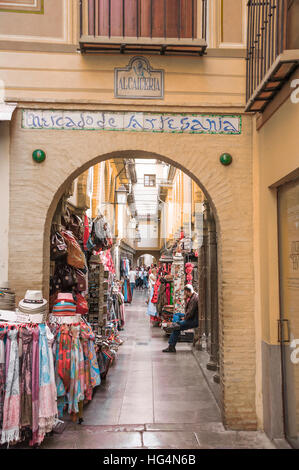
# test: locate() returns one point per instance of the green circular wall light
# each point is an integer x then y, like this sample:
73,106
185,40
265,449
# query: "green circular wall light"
226,159
38,155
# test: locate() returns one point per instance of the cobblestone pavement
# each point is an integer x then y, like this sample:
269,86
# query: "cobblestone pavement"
153,400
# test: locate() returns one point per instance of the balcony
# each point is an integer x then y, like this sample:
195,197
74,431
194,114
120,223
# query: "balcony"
166,27
272,49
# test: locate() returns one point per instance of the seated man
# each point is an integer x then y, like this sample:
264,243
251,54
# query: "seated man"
190,320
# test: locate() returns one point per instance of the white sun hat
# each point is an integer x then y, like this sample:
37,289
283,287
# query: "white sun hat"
33,302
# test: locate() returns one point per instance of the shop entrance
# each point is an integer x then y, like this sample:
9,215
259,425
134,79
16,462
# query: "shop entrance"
127,235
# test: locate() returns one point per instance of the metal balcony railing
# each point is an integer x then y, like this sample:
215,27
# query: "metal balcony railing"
146,26
268,63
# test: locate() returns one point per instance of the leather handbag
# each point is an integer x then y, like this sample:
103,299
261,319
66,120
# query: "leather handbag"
81,280
75,256
76,226
65,278
81,305
58,246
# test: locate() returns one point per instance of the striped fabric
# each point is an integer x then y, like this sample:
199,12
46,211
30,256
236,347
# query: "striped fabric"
63,307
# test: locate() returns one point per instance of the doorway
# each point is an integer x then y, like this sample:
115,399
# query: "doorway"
156,217
288,223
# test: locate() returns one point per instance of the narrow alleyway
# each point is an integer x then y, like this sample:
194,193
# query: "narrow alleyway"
152,400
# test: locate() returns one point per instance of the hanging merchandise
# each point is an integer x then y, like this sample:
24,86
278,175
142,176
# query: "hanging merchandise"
27,387
86,232
100,237
177,270
126,290
76,226
188,269
75,256
76,368
58,246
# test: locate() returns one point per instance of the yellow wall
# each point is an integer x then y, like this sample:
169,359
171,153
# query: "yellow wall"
275,156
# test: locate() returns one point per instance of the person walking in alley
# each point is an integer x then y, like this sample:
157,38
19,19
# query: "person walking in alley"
132,279
190,320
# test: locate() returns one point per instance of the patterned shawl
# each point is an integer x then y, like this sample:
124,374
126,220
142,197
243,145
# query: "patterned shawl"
47,387
64,356
3,332
76,391
35,386
26,377
11,410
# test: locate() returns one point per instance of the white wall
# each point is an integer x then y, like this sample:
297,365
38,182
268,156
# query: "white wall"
4,198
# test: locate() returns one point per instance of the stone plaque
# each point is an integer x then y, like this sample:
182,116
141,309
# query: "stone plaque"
138,80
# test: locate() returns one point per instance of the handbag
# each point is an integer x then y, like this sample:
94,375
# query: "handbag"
81,305
76,226
75,256
64,278
81,280
58,247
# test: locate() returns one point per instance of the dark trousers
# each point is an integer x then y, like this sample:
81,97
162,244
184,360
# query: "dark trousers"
184,325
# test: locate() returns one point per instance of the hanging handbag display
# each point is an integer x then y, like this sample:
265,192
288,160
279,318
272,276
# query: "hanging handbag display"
65,278
75,256
81,280
58,247
81,305
76,226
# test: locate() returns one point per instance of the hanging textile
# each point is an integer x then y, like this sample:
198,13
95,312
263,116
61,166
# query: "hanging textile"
3,332
35,386
11,410
26,336
47,388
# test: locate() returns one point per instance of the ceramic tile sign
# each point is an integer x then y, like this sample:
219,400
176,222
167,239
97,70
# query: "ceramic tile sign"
138,80
131,121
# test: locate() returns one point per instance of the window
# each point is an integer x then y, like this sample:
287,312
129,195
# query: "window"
150,181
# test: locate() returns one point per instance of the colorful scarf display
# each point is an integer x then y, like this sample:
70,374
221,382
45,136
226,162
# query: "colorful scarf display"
64,356
11,410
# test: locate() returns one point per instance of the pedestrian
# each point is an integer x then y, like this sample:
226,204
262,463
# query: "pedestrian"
132,279
151,309
141,278
190,319
145,278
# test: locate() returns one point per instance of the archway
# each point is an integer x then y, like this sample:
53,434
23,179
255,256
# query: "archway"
37,188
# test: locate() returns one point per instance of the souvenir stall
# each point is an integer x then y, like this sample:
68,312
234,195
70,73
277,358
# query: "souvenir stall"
28,398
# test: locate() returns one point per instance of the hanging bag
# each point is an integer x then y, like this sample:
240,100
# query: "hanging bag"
58,247
81,305
75,256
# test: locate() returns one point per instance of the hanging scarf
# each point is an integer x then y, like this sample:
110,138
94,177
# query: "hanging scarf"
35,386
3,332
64,357
61,393
95,376
47,389
26,377
76,389
11,410
86,232
85,334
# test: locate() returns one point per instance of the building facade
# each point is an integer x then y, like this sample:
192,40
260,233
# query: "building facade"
91,81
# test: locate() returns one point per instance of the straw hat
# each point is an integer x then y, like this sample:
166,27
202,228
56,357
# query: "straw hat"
33,302
7,297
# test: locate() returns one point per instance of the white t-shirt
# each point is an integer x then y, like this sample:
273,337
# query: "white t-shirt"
132,276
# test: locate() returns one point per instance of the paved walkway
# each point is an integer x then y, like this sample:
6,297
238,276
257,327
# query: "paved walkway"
152,400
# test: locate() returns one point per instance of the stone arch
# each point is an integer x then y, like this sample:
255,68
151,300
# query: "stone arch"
154,253
35,190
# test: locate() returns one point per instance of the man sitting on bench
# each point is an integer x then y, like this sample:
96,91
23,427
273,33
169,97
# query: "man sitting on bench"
190,319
